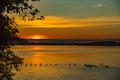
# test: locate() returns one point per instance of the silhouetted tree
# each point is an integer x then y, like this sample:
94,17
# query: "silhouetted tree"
8,33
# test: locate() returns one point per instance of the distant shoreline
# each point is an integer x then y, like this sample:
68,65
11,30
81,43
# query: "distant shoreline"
67,42
64,45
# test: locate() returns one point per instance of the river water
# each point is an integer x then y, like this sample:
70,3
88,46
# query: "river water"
67,62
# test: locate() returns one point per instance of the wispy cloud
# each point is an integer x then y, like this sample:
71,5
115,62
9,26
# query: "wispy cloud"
54,21
99,5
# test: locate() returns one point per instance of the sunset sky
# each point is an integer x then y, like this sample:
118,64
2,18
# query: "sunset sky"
74,19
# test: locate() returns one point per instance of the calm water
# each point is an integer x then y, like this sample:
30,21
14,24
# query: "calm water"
67,62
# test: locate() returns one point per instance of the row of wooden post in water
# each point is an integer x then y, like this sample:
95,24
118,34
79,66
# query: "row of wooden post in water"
69,65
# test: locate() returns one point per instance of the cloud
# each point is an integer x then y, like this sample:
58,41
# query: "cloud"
103,19
99,5
92,32
54,21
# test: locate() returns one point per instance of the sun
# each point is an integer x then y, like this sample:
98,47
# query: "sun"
38,37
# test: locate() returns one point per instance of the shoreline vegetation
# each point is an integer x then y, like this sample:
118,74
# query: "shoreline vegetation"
67,42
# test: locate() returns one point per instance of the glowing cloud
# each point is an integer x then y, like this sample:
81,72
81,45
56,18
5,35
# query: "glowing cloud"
53,21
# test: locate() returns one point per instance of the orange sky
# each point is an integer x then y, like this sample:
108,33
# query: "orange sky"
73,20
63,28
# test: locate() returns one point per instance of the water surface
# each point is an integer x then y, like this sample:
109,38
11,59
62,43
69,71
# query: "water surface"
67,62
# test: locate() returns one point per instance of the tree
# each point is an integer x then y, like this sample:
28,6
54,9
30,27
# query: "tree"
8,33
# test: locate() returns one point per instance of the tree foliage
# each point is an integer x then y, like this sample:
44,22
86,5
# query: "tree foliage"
8,62
8,33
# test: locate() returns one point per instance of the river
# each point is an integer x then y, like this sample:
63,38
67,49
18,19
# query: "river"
67,62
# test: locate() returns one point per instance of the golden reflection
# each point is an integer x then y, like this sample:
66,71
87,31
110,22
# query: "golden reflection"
36,48
36,58
65,55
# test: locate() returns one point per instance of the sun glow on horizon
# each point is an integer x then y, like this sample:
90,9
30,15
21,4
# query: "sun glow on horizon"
37,37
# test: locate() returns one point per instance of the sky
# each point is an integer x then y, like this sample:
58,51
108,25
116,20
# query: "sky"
74,19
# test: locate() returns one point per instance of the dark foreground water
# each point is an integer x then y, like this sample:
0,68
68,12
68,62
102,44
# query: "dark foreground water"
67,62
